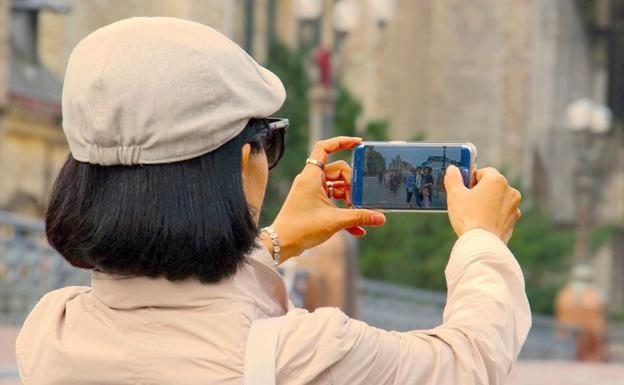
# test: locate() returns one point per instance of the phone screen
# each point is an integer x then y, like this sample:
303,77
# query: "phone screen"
407,177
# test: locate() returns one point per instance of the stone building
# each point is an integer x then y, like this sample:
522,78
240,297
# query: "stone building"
4,56
36,37
31,143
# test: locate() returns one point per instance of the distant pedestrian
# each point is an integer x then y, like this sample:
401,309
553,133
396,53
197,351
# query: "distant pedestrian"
418,184
410,188
427,186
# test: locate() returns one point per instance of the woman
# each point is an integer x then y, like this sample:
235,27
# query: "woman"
160,197
427,186
410,184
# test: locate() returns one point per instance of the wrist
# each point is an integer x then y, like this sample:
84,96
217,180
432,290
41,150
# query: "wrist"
270,240
285,247
488,229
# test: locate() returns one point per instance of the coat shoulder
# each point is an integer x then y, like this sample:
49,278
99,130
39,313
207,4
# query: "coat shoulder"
46,315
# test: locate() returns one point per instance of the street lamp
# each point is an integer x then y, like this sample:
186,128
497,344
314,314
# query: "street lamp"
308,13
381,11
589,122
325,61
308,9
580,303
346,16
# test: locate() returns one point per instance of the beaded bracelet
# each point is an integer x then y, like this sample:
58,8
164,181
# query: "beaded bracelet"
275,242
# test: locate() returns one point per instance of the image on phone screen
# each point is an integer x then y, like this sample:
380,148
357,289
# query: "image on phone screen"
408,178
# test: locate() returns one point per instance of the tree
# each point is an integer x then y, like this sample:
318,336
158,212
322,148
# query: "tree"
375,162
289,66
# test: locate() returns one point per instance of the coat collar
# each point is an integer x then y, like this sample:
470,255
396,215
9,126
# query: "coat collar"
257,282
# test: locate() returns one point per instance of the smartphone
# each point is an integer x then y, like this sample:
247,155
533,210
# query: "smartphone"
407,176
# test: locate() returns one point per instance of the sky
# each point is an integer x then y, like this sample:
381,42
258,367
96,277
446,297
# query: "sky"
416,156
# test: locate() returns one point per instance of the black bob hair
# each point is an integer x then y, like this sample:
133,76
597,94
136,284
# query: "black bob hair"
173,220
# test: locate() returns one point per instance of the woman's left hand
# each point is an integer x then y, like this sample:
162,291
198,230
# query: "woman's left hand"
308,217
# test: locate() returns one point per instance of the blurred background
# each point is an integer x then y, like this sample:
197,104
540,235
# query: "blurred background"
536,85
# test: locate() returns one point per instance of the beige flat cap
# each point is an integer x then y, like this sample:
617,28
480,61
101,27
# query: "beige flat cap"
157,90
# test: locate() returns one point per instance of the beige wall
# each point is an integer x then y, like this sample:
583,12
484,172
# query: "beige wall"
499,73
4,54
452,70
60,33
32,146
32,150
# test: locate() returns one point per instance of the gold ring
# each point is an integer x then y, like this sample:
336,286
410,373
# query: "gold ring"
316,163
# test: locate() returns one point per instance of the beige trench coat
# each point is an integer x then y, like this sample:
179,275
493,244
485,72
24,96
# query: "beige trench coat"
152,331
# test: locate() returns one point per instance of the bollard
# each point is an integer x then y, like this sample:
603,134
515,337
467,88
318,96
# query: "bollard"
580,305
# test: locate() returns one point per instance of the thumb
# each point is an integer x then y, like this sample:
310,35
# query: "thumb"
354,218
453,181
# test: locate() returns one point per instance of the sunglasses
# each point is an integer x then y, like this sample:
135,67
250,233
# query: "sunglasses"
274,142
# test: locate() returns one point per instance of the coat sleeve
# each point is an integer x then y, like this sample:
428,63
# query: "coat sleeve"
485,323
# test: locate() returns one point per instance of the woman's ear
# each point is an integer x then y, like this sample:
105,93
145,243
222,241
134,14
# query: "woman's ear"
245,153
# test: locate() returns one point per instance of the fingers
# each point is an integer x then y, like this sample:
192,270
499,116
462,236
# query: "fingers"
339,175
340,190
356,231
339,170
453,181
489,173
516,196
356,218
323,148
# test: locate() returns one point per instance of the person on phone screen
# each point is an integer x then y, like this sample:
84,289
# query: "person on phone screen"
427,186
410,187
418,184
171,138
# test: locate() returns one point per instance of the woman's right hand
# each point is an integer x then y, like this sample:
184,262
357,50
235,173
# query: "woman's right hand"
492,204
308,217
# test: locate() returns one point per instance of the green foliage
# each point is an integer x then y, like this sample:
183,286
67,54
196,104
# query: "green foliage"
377,130
544,253
601,235
413,249
375,162
347,112
410,249
289,66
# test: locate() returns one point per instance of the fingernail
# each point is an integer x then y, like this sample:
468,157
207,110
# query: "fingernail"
378,219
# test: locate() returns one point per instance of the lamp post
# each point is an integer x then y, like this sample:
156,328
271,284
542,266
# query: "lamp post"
590,122
580,303
325,58
330,267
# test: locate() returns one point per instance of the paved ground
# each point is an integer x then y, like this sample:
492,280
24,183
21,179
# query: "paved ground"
525,372
377,192
565,373
8,371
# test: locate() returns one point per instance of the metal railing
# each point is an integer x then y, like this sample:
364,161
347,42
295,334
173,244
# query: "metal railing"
29,267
